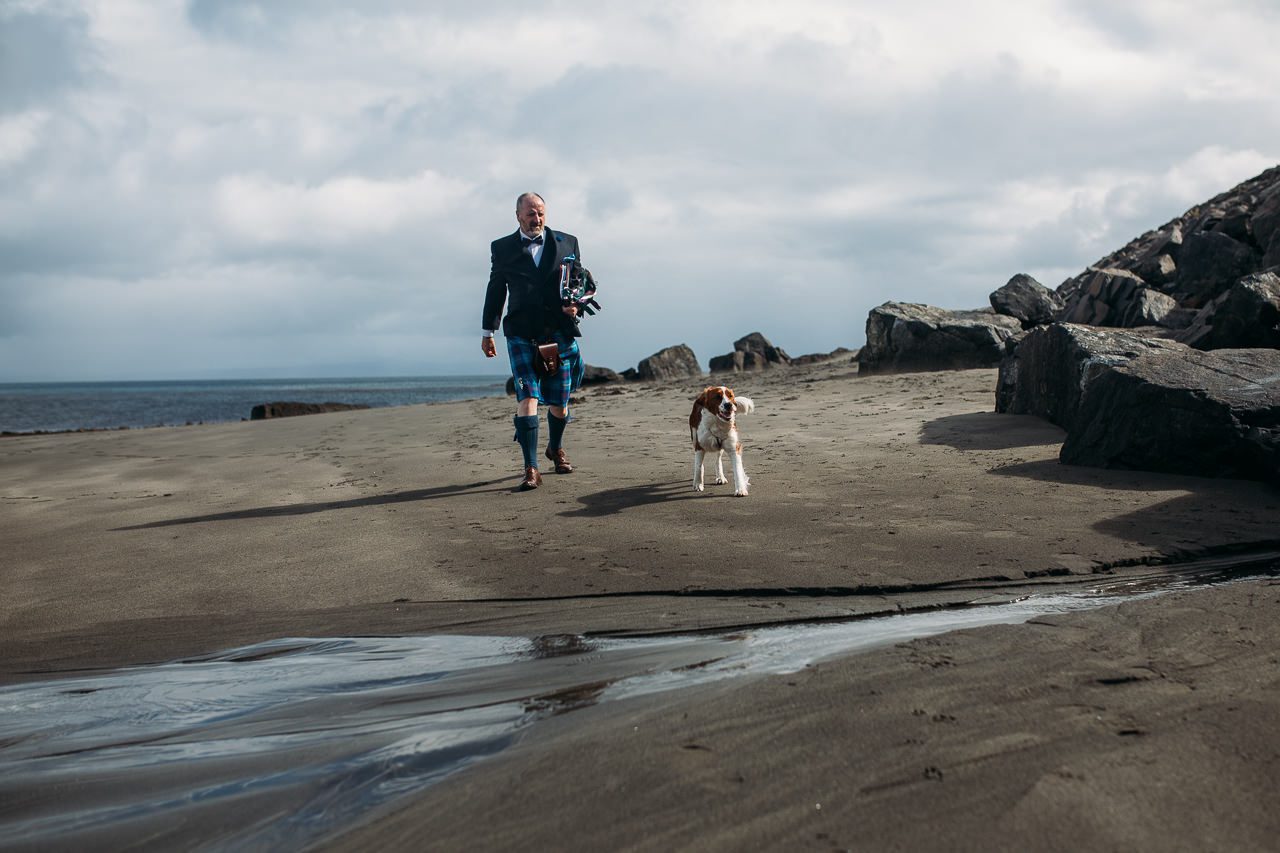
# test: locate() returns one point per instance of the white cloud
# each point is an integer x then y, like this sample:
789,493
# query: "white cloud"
19,135
345,209
319,180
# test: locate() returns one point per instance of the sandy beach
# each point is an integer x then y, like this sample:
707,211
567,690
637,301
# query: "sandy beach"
1152,725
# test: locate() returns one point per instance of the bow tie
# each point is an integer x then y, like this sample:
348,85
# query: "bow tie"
529,241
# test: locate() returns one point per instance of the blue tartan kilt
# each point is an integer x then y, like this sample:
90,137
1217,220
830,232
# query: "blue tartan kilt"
552,390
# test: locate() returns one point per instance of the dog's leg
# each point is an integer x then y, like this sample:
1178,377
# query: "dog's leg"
720,478
697,469
740,481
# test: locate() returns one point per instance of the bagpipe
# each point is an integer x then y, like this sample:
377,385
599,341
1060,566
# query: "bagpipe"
577,286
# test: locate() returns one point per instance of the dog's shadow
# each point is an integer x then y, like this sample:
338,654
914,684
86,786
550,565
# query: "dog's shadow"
614,501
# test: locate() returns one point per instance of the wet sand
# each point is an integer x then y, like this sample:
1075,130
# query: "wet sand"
1149,726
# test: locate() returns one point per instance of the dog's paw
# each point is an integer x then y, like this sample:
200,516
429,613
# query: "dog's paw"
720,481
697,487
740,493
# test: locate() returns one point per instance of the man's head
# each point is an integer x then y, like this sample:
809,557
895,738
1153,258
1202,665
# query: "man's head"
531,213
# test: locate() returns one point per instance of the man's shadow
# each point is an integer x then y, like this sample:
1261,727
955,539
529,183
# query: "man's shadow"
325,506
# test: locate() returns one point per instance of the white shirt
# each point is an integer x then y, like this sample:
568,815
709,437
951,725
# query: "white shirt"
534,250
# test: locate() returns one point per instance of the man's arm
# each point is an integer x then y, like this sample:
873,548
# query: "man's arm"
495,296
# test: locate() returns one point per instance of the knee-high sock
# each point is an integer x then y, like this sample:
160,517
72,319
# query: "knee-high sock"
555,427
527,435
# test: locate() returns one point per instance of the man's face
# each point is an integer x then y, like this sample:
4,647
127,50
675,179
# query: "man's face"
532,216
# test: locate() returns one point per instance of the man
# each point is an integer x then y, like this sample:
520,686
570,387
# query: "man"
525,274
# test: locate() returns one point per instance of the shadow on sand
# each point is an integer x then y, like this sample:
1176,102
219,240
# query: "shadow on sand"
990,431
325,506
613,501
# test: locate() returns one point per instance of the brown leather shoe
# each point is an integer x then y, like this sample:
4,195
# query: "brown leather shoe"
532,479
563,465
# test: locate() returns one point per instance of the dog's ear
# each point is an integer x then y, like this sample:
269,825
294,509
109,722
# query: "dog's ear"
695,417
744,405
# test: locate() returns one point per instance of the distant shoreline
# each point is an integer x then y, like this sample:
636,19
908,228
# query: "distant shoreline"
76,407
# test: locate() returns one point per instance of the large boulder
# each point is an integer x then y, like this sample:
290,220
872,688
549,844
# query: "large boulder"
1247,315
592,375
1027,301
1212,414
1211,262
1129,401
1046,372
903,336
677,362
289,409
750,353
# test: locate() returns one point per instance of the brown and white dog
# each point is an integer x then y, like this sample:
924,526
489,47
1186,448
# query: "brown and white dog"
713,428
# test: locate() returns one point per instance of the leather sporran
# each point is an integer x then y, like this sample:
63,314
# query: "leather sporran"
548,361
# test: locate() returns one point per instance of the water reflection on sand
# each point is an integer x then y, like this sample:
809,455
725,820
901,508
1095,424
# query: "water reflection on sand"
294,740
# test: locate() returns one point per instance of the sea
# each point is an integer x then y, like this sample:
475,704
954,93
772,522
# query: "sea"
61,406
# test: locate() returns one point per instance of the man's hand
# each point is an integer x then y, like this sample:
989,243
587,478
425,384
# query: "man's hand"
487,347
571,310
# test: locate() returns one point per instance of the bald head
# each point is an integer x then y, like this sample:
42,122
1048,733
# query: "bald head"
531,213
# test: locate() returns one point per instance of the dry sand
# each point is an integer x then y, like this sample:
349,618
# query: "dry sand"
1148,726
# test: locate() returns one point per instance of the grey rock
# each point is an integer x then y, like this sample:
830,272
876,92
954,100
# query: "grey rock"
751,353
593,375
1149,308
1264,224
1105,297
289,409
1213,414
1247,315
903,336
1027,301
1211,262
819,357
1046,372
677,362
1131,401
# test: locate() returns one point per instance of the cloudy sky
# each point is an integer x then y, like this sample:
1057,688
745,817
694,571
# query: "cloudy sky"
226,188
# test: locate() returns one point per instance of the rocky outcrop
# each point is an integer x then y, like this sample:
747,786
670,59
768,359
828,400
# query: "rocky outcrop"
290,409
677,362
1184,266
1130,401
1027,301
904,336
751,353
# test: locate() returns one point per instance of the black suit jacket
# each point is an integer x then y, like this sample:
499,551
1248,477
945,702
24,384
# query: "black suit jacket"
532,292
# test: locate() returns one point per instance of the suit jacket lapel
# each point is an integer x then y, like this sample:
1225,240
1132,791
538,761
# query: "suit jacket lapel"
550,251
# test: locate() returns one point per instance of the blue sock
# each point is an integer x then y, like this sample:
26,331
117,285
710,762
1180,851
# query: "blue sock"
527,435
555,426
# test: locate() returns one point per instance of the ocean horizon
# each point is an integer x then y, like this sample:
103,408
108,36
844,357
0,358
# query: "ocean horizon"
31,407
